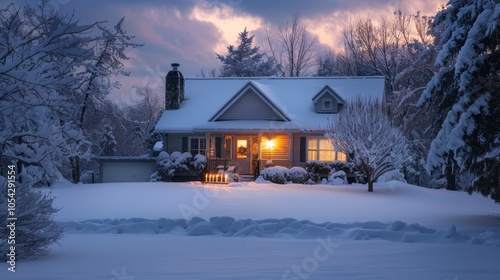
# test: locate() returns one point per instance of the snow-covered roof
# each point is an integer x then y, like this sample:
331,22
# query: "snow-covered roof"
207,97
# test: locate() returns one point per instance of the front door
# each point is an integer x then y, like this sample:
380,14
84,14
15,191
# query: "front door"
243,154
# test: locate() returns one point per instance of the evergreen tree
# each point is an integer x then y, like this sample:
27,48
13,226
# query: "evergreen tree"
327,65
245,60
467,92
108,143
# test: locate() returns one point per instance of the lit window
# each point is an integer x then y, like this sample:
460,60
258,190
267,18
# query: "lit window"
322,149
341,156
312,149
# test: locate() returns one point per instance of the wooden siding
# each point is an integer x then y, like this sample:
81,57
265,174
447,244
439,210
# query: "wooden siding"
174,141
249,107
280,150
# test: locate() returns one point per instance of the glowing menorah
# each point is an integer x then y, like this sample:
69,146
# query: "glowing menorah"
216,178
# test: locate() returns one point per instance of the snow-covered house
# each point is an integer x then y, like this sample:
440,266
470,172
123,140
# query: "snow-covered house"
245,122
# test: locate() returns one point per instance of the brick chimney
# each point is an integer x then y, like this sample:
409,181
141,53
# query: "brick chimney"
174,88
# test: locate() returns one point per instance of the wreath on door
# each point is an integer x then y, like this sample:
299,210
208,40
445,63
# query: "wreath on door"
242,151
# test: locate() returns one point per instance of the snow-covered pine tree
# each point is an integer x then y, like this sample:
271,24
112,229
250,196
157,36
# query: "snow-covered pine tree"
327,65
245,60
415,123
108,143
35,228
363,131
467,92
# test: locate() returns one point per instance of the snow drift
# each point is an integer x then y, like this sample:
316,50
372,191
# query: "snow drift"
396,231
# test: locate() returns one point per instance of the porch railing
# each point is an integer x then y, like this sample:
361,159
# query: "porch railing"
214,164
257,165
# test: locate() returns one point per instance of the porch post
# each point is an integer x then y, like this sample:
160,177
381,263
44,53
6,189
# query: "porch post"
207,147
208,168
259,139
290,149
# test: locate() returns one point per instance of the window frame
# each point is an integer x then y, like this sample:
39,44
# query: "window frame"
209,149
330,102
337,155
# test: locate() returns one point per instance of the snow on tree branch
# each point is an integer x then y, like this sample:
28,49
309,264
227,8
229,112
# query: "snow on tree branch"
363,131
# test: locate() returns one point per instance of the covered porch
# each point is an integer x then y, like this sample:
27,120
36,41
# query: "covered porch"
247,153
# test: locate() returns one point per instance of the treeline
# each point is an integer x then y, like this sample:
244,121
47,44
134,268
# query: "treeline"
55,75
442,82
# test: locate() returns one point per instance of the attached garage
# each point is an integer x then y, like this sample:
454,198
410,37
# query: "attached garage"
126,169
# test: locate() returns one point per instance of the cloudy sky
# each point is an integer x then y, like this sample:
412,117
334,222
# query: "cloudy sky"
190,32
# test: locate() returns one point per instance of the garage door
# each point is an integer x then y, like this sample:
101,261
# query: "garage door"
115,171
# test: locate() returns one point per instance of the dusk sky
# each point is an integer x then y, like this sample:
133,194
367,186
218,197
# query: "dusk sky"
190,32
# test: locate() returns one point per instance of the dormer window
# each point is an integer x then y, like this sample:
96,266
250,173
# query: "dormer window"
327,104
327,101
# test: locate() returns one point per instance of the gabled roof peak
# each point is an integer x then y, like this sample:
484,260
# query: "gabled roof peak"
327,90
268,108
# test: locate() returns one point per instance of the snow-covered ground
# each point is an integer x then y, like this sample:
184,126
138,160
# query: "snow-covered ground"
267,231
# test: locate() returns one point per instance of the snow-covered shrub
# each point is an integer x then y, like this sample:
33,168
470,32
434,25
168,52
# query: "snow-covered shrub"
317,169
175,156
155,177
165,166
337,178
298,175
394,175
199,163
170,165
465,180
35,228
283,175
349,168
88,177
275,174
181,160
439,183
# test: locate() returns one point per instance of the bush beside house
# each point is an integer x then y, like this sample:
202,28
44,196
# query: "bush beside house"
179,167
283,175
334,173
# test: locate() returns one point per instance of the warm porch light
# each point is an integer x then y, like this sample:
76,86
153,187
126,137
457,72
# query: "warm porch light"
269,144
